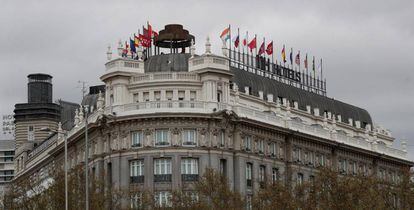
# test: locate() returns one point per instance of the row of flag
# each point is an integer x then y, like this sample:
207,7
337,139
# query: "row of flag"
268,49
144,40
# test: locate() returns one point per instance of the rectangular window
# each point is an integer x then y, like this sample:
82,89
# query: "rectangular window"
136,171
189,166
162,137
189,137
248,143
135,98
249,171
162,166
275,175
249,205
261,146
189,169
299,179
137,139
136,201
322,160
273,149
223,167
162,170
222,138
146,96
262,175
163,199
30,133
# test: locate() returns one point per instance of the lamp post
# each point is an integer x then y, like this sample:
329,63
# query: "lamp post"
60,131
86,160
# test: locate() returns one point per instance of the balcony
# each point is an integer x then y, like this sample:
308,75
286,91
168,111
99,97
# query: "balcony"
162,143
175,76
136,179
189,177
162,178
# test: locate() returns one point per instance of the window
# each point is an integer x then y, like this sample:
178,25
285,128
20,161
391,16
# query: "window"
299,179
135,97
222,138
9,153
249,171
218,97
136,201
136,170
354,168
146,96
137,139
162,170
30,133
223,167
322,160
262,175
275,175
163,199
343,166
162,137
189,137
297,154
248,143
189,169
260,145
273,149
249,205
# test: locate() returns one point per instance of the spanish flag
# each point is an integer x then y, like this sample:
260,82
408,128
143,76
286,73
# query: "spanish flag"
136,41
284,54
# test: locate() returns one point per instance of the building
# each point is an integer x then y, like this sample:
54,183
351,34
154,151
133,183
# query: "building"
6,163
165,116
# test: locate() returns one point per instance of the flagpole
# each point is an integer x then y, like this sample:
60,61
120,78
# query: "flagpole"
230,43
247,50
264,53
255,56
238,47
321,70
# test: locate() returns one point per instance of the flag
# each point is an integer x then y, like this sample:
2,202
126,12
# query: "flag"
269,48
320,66
313,66
306,62
245,40
284,54
155,34
145,32
291,56
144,40
125,51
149,30
225,35
262,49
132,45
236,41
136,41
297,59
252,44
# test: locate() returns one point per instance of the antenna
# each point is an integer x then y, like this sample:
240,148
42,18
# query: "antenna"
83,88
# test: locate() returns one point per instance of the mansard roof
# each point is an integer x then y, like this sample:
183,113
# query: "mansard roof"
179,62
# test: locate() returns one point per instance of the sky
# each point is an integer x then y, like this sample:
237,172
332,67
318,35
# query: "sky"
367,46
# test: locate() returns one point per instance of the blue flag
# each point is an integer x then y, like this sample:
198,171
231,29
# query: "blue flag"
132,45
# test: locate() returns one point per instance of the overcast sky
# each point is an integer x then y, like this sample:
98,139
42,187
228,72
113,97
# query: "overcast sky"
367,46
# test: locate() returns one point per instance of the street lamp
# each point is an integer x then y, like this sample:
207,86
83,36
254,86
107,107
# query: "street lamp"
86,159
60,131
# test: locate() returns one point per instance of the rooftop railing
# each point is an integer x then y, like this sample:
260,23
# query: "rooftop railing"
176,76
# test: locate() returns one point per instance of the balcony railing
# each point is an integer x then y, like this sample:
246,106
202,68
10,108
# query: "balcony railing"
189,177
162,178
176,76
137,179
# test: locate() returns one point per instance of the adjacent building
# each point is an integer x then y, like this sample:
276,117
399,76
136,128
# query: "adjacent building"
6,164
165,114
